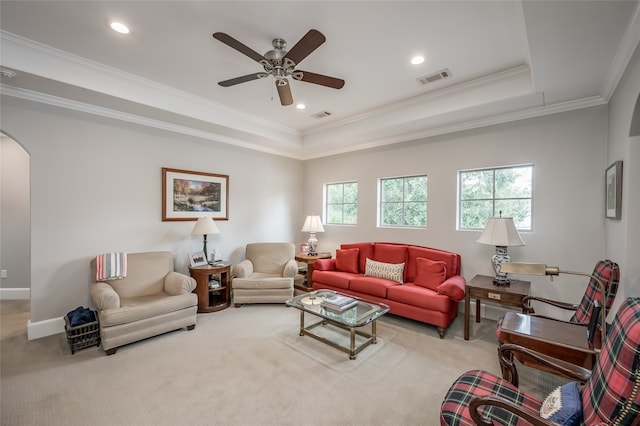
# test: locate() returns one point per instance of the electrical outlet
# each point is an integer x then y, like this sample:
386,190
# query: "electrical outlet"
3,273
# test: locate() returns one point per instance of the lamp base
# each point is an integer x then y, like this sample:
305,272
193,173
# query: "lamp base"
498,281
313,245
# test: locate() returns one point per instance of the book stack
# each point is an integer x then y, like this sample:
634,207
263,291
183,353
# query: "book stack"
338,303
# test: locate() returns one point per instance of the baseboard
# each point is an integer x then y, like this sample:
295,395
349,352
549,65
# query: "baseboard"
15,293
36,330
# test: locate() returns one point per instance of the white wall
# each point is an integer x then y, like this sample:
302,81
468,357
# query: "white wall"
569,154
96,187
623,236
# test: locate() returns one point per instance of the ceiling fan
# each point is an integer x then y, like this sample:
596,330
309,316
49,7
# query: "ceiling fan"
281,63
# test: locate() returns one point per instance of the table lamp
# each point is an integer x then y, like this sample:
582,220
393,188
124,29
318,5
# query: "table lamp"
205,225
312,225
502,233
542,269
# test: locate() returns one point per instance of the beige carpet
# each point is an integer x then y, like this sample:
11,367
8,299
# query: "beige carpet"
240,366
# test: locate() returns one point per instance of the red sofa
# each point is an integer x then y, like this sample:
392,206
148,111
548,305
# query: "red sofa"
417,282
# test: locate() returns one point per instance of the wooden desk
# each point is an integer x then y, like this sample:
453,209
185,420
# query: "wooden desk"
216,298
481,287
558,339
309,261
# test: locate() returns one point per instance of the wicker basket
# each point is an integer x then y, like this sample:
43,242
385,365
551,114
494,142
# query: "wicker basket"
83,335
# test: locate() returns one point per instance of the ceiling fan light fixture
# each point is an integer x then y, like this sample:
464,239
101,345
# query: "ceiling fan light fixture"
301,106
417,60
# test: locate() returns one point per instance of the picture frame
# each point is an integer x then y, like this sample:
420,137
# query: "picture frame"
186,195
613,195
197,258
304,248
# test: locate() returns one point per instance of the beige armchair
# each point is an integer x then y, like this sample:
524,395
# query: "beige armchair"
152,299
266,275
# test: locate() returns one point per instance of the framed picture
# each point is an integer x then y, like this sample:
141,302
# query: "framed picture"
304,248
614,191
197,259
186,195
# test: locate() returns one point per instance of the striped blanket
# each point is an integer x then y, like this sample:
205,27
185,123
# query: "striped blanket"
111,266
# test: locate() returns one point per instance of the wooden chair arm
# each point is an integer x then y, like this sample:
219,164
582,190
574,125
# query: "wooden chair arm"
477,402
506,358
528,309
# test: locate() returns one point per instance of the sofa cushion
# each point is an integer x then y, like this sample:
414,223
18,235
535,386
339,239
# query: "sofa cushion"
451,259
429,273
413,295
390,253
453,288
332,278
389,271
372,285
365,250
347,260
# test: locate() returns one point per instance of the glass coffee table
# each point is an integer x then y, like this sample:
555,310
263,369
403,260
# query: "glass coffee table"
353,319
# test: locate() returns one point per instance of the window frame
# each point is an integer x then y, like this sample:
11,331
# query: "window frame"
493,199
381,203
326,202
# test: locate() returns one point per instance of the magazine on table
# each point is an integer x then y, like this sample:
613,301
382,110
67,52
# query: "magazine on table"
338,300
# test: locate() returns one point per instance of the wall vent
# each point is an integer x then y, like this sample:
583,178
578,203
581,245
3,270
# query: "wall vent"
431,78
7,73
321,114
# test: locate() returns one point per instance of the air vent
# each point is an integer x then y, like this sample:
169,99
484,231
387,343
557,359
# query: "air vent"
321,114
7,73
432,78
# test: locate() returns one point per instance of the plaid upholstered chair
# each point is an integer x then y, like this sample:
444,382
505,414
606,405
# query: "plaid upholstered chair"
605,270
608,395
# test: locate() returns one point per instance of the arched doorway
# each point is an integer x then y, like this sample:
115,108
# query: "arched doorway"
15,253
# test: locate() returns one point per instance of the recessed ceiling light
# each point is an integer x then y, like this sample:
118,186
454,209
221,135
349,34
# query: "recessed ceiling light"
417,60
301,106
119,27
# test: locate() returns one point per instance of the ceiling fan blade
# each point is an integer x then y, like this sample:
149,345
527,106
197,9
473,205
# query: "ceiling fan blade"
323,80
235,44
307,44
284,91
242,79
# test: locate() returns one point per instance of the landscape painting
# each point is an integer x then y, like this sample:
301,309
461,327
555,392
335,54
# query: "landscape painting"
188,195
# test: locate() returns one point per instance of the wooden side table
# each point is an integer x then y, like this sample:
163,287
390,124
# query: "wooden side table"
214,298
558,339
481,287
309,261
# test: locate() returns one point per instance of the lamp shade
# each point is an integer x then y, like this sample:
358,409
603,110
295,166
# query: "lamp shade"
205,225
501,231
312,224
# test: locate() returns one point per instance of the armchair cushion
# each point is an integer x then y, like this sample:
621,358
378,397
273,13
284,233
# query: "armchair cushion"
563,405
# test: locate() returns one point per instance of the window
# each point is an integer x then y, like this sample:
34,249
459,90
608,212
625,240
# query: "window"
505,191
341,203
403,202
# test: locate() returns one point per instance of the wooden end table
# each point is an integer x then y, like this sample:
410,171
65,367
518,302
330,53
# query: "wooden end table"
212,299
558,339
309,261
481,287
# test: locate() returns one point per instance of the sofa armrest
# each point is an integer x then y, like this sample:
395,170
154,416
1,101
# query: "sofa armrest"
176,283
454,287
290,269
104,296
243,269
324,265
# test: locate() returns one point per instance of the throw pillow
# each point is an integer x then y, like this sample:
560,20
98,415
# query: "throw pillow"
430,273
389,271
563,405
347,260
